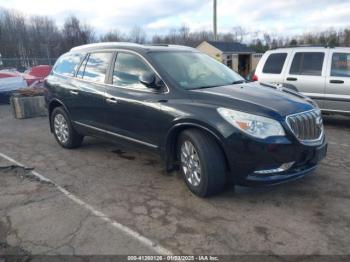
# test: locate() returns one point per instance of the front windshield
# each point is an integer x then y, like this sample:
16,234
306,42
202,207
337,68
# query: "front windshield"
192,70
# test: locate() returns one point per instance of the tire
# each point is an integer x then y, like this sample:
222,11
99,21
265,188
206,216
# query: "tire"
70,139
212,172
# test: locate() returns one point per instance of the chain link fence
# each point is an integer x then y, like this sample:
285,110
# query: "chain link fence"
22,64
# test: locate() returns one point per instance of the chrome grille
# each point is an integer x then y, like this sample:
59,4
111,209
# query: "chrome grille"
306,126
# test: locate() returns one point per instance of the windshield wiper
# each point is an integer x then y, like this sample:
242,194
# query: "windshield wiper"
211,86
203,87
238,82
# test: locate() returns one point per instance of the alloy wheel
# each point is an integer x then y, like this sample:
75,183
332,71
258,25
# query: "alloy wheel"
61,128
190,163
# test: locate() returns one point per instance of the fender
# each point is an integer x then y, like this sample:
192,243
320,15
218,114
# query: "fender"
55,100
168,145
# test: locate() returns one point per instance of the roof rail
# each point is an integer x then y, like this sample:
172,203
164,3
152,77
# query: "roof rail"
171,45
104,44
156,44
307,45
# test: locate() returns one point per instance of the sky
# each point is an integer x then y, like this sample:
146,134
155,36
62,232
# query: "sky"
276,17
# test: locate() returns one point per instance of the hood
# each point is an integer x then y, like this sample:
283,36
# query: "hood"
256,99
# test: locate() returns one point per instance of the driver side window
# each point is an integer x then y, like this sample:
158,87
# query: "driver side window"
127,69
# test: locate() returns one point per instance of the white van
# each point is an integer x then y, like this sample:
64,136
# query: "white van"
321,73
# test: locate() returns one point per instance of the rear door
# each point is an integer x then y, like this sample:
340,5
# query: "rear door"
273,68
62,82
307,73
89,102
337,95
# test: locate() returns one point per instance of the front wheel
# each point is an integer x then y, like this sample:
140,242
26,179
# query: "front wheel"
202,163
63,130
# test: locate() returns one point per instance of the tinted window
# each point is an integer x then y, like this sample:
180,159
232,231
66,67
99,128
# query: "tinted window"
67,64
127,69
96,67
307,63
341,65
274,63
193,70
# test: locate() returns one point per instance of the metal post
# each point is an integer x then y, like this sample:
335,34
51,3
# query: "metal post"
215,22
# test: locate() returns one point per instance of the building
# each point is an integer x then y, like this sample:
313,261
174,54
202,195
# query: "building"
236,56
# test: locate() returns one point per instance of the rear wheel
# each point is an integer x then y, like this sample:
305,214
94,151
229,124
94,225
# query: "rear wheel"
202,163
63,130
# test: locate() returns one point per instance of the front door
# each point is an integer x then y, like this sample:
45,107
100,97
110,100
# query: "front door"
337,95
133,109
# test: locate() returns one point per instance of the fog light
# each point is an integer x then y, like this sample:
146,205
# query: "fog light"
283,167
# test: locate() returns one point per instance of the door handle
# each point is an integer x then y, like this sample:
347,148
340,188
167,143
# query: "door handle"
336,81
111,100
292,79
74,92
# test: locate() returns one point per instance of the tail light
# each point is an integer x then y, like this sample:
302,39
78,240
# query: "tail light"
255,78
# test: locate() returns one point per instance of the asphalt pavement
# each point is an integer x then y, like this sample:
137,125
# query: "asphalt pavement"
105,198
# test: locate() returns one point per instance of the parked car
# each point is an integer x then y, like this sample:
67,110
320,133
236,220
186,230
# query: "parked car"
11,80
9,83
195,112
36,74
321,73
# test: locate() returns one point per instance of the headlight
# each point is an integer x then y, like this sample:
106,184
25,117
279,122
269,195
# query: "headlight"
257,126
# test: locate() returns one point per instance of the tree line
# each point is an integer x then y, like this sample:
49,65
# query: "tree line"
39,37
28,37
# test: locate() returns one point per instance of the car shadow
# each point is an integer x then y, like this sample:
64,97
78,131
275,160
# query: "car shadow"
336,121
298,187
241,193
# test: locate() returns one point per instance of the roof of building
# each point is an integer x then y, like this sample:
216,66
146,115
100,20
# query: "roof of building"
231,47
131,46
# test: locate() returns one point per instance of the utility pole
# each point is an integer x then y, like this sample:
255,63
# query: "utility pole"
215,22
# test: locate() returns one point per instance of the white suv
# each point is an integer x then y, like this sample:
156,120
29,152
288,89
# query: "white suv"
321,73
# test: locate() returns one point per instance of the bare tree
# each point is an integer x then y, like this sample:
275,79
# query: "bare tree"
14,36
113,36
74,33
26,37
44,38
137,35
267,39
184,35
347,37
238,33
229,37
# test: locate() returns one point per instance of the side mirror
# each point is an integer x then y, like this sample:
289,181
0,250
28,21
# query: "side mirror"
148,79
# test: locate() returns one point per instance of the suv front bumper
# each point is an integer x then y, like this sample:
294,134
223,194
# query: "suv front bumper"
247,157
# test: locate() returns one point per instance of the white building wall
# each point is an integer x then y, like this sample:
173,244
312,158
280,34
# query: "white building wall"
255,58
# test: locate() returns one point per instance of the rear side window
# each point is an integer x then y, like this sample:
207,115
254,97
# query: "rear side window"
307,63
340,65
127,69
68,64
96,66
274,63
